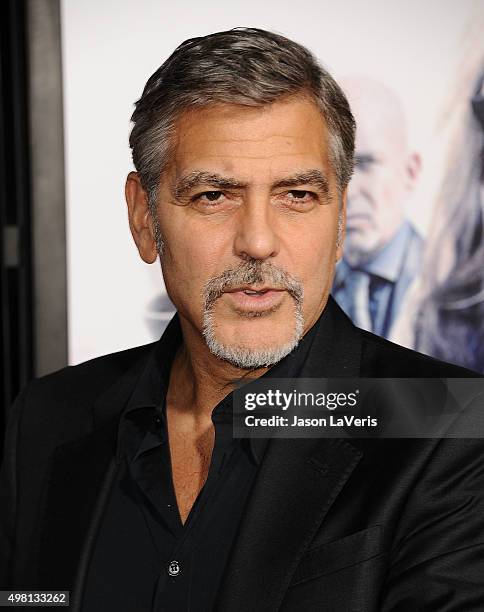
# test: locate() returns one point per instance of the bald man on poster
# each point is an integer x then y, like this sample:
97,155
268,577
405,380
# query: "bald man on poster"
383,250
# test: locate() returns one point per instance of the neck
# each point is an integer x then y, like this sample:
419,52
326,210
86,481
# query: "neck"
198,379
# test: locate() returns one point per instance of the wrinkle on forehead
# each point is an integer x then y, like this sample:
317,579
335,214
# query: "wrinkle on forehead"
254,145
244,148
231,124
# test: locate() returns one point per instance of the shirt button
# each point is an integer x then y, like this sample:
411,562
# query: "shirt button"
174,568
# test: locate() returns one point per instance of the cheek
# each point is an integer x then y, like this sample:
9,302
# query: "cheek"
314,256
390,195
190,259
184,246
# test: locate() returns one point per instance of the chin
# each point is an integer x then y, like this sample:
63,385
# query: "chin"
245,357
260,340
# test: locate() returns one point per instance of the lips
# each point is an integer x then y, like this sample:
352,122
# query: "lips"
252,299
248,290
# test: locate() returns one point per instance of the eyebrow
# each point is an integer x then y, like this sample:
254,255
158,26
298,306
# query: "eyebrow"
199,177
183,185
315,178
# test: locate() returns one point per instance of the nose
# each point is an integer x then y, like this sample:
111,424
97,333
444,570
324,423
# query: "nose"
256,236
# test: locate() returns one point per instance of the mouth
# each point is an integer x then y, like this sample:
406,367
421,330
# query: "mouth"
255,299
250,290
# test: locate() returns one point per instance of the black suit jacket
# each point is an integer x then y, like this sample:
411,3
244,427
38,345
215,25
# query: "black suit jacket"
333,525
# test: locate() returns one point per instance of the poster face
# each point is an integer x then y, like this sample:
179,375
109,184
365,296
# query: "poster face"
398,64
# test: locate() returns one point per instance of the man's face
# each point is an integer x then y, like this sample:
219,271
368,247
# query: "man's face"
384,174
249,202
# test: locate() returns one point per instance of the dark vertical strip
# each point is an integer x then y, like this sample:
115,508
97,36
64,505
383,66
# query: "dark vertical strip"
16,277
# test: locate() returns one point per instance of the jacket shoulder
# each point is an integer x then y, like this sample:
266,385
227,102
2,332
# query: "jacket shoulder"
60,405
383,358
87,379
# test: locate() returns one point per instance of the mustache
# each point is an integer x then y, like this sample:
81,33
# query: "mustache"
249,273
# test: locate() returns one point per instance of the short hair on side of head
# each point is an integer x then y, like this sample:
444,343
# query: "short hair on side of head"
244,66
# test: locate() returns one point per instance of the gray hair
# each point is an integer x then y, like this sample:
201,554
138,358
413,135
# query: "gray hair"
245,66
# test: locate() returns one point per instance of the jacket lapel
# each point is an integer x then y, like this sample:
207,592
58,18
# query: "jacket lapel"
297,484
298,481
81,473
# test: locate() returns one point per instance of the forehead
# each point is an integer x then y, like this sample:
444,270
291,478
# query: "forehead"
280,137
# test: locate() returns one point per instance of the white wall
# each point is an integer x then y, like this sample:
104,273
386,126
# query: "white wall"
110,48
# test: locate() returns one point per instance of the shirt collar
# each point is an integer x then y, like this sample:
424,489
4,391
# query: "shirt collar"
146,406
386,264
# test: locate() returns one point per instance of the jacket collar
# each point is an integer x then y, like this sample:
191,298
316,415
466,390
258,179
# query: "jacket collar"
152,385
386,264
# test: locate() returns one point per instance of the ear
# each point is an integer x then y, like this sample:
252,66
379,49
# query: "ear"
140,222
413,168
340,238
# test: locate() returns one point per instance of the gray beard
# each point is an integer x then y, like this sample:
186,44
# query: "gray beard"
251,272
246,358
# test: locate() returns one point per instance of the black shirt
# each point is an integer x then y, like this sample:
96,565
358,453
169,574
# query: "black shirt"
145,559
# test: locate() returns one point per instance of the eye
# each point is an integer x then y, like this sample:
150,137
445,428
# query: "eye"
299,195
208,200
299,199
214,201
209,196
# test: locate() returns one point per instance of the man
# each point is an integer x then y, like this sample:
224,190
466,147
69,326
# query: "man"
122,481
383,251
